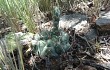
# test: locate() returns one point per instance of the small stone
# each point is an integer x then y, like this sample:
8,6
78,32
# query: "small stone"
104,22
76,20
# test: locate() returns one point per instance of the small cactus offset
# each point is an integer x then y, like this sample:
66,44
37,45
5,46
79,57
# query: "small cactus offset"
52,43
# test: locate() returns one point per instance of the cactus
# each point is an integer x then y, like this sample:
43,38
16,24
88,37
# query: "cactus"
52,43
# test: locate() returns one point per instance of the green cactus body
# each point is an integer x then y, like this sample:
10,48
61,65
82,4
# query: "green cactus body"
52,46
54,42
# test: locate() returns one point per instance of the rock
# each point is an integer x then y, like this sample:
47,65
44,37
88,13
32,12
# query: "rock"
106,64
104,22
77,21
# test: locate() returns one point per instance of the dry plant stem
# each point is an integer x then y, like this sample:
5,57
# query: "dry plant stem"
87,42
14,61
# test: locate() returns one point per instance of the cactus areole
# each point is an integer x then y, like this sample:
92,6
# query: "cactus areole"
52,43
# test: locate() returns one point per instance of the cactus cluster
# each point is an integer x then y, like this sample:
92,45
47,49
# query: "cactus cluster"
52,43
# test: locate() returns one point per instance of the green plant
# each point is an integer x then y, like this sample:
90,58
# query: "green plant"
52,43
